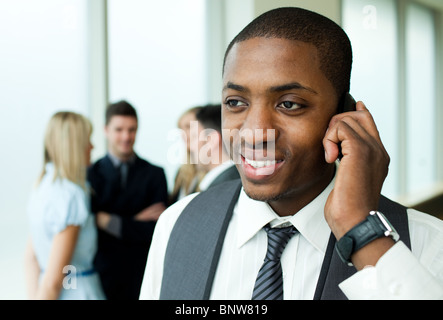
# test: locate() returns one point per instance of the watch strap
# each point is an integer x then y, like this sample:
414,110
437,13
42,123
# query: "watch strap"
366,231
363,233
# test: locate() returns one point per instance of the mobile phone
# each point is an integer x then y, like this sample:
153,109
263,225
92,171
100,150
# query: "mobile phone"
347,103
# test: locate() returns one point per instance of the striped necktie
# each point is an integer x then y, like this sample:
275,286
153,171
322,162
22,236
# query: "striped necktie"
269,283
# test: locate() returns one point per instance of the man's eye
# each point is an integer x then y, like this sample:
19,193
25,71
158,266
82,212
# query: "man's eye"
289,105
235,103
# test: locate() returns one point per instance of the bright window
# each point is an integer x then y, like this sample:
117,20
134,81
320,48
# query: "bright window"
43,70
420,98
157,62
393,73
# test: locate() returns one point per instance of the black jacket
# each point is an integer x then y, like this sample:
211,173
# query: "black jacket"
121,260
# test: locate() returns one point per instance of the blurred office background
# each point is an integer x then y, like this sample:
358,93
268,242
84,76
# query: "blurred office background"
165,56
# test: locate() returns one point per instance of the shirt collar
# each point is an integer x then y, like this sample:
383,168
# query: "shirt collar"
214,173
49,167
116,162
309,221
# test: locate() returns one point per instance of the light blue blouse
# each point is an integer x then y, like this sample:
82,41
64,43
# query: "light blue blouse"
53,206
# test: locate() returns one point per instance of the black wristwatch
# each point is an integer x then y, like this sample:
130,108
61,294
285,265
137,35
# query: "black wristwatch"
373,227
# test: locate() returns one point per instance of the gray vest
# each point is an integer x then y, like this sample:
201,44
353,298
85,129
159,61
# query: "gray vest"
197,238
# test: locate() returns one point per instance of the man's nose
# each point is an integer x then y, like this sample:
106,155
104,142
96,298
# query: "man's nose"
258,127
126,135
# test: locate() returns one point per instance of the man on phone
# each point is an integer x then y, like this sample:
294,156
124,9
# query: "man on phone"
302,224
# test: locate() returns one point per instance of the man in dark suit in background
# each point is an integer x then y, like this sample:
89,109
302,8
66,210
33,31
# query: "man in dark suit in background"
207,149
128,195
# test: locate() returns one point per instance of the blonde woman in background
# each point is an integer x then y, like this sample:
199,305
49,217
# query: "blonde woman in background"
63,236
188,176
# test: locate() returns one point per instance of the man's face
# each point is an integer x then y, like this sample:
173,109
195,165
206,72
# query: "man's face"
196,144
185,125
204,146
121,132
276,85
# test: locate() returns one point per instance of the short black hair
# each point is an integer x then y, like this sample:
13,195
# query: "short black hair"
292,23
120,108
210,117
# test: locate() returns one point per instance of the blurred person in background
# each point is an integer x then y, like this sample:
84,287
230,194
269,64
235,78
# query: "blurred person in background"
207,149
129,194
63,236
188,176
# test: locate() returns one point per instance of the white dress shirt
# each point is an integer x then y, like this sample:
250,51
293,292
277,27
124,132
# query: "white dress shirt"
213,174
399,274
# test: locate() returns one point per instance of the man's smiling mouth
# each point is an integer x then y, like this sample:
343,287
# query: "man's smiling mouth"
261,163
260,169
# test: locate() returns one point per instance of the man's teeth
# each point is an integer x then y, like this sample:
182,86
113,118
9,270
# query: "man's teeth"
260,164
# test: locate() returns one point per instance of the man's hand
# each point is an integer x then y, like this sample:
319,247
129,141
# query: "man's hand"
360,175
151,213
102,219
